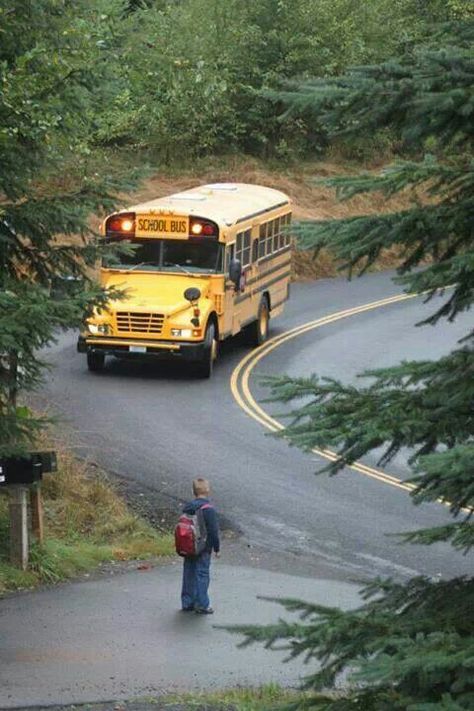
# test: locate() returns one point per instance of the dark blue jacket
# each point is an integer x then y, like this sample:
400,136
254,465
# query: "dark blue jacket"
210,519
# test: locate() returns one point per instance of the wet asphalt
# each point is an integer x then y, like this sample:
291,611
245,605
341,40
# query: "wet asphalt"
292,532
158,427
124,637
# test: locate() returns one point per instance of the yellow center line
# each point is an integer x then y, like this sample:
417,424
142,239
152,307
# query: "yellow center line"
246,401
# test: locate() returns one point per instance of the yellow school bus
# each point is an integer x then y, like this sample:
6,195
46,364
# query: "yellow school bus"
202,265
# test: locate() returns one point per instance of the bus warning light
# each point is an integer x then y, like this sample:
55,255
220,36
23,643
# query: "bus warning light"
200,228
121,224
127,225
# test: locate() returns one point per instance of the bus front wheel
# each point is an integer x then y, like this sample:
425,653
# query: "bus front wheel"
95,361
258,330
205,366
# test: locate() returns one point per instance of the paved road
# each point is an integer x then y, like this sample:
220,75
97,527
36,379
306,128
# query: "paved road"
305,536
122,637
159,425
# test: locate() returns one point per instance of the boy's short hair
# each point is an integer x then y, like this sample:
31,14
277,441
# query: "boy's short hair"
201,486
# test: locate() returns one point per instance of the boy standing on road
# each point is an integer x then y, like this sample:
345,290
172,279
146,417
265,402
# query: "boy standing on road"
196,569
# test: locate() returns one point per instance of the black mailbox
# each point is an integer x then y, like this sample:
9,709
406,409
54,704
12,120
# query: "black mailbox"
27,469
20,470
48,461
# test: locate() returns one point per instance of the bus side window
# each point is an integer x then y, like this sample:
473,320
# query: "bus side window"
238,246
276,234
242,249
262,241
255,248
279,237
246,253
284,227
229,256
269,246
287,229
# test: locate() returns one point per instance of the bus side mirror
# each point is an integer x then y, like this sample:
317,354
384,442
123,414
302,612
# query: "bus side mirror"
235,272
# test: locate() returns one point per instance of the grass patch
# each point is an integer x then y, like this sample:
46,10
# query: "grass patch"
268,696
241,698
86,523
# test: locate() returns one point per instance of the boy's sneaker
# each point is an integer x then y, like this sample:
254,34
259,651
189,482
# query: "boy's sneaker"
203,610
187,609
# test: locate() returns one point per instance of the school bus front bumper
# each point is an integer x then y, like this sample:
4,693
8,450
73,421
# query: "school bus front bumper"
120,347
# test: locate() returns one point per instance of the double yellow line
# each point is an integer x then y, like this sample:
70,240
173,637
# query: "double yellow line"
239,382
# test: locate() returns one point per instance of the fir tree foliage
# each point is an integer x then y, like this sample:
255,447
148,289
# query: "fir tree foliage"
395,635
409,645
55,58
428,96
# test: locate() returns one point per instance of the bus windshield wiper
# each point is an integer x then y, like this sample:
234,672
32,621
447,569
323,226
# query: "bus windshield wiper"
179,266
143,264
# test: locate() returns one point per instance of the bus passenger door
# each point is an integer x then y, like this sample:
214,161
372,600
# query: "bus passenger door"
231,298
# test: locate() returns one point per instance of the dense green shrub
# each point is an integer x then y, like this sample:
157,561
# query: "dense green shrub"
191,74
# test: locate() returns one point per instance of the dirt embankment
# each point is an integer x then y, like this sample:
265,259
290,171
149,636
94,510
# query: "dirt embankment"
311,200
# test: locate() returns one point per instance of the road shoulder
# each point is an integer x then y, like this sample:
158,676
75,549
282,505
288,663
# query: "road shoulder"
123,637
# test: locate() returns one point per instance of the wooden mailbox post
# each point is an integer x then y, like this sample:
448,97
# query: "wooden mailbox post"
21,476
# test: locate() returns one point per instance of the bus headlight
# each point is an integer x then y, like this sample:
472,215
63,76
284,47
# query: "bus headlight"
102,328
181,332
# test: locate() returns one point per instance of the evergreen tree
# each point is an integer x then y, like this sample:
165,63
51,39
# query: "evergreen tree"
410,645
55,58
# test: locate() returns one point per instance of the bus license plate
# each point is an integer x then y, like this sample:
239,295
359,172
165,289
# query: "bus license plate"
137,349
172,226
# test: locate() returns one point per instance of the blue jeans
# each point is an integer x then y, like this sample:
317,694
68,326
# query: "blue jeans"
196,581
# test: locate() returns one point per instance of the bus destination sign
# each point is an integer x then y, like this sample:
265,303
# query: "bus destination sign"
172,226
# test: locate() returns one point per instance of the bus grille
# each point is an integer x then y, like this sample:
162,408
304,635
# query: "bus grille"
137,322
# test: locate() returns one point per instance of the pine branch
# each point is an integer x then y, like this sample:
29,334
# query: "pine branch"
420,95
425,406
29,321
445,181
459,535
392,647
437,233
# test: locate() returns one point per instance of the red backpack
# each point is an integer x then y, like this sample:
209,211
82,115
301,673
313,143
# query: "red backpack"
190,533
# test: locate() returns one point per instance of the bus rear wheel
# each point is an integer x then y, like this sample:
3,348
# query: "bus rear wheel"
205,366
95,361
258,330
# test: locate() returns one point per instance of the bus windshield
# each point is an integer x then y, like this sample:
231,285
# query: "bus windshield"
168,255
